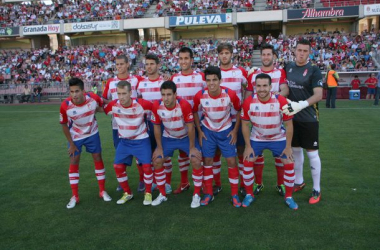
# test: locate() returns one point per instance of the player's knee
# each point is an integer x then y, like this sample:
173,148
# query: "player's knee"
97,156
195,162
158,163
231,162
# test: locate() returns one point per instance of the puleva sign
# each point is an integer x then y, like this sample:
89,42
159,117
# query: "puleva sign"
41,29
91,26
200,20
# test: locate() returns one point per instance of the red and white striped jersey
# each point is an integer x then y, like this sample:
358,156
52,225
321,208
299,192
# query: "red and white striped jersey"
234,78
278,77
189,85
81,118
216,110
130,120
150,90
110,90
175,119
266,118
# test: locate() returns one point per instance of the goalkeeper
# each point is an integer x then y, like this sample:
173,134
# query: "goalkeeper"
305,91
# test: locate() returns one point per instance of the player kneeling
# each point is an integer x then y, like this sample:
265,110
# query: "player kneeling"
134,140
263,110
176,117
77,116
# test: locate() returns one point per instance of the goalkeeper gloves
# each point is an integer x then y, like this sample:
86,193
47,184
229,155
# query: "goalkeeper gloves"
293,108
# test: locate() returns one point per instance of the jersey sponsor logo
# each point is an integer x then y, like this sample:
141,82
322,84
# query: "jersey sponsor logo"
178,79
145,84
206,103
315,144
163,114
320,83
74,112
290,70
256,108
233,73
119,111
305,72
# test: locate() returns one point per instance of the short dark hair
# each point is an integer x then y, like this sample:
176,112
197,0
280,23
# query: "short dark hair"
124,57
264,76
122,84
76,82
304,42
169,85
226,46
152,56
356,76
267,46
212,70
333,66
186,50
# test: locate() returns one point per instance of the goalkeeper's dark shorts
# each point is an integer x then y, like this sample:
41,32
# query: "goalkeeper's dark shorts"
305,135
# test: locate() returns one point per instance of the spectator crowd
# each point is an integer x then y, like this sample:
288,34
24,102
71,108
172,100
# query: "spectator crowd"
349,52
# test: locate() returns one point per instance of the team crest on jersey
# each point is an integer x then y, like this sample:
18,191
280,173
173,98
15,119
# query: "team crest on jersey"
271,107
222,101
305,72
233,73
193,78
134,110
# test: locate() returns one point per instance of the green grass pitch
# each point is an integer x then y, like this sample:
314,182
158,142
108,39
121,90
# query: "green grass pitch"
35,190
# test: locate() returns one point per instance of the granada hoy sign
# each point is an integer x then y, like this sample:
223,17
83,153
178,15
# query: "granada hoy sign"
41,29
321,13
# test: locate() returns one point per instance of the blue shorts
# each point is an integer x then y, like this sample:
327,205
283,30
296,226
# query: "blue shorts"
116,139
370,91
128,148
217,140
240,138
171,144
91,143
277,147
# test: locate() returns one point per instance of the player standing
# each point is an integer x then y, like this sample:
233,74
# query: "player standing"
110,94
278,86
234,78
217,130
306,90
149,89
188,83
77,117
129,115
176,116
263,111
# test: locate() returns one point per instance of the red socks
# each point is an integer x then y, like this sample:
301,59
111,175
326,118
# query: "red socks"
148,177
216,170
289,177
233,177
258,169
280,171
248,177
197,179
122,177
207,179
160,177
100,173
74,179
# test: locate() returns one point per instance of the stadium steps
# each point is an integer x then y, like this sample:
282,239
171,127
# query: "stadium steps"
260,5
318,4
256,59
150,12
